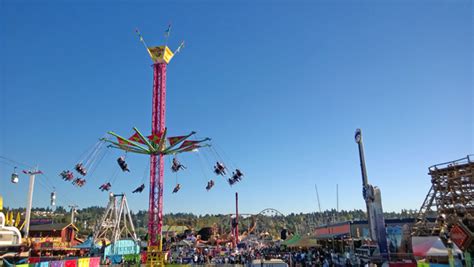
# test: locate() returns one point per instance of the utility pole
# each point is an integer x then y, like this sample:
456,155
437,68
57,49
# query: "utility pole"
29,203
236,229
337,202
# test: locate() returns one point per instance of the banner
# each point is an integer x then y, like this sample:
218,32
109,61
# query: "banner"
81,262
84,262
57,264
70,263
94,262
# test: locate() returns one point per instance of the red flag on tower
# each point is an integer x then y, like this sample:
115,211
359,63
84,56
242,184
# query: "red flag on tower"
155,138
123,141
136,138
176,139
189,145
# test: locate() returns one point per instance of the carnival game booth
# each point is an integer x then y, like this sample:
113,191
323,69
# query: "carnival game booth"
56,239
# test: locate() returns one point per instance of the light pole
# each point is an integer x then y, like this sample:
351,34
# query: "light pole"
29,203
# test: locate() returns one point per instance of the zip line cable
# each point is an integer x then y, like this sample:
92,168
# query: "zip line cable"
16,162
46,183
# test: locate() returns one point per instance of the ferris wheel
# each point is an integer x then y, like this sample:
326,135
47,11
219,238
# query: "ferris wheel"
270,222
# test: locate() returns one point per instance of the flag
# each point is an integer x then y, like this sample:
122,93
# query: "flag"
176,139
168,31
179,47
123,141
136,138
188,143
18,219
190,148
155,138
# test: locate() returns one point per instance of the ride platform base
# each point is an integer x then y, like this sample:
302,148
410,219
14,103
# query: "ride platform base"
154,257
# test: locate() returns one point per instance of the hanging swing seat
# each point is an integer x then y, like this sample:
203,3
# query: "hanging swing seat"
177,165
79,182
176,188
123,164
219,169
210,184
139,189
105,187
81,169
67,175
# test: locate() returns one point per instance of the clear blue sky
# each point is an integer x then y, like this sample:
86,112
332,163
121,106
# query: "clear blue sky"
279,86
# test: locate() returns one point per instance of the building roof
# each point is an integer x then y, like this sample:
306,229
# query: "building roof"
305,242
292,240
359,222
51,227
174,228
331,236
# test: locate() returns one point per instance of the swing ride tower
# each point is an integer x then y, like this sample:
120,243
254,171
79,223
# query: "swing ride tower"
157,146
155,208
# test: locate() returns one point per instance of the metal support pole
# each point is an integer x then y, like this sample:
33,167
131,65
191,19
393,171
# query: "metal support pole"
236,219
365,182
134,235
32,174
155,209
317,197
29,203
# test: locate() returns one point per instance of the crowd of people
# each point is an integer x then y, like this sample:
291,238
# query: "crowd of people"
247,256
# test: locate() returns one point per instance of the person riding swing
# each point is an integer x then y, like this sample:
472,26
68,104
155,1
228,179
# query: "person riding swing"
177,165
219,169
176,188
210,184
79,182
105,187
139,189
80,169
237,175
123,165
67,175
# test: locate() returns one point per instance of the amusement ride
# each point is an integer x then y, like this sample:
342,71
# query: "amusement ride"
157,146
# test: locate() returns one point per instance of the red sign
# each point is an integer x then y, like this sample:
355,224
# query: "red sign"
335,229
460,236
